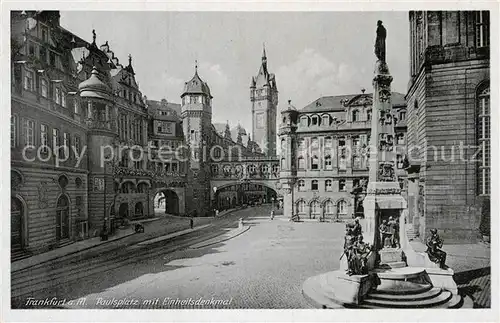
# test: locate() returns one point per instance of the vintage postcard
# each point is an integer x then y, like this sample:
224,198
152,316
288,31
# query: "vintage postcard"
169,157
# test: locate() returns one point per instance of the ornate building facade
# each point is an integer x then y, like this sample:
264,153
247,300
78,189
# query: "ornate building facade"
324,161
88,150
449,110
74,107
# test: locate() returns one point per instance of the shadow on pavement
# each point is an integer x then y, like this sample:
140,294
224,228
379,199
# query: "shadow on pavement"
475,284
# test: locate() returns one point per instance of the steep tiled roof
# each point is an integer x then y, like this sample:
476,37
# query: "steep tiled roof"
334,103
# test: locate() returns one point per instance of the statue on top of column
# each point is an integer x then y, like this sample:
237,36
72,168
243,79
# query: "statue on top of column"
380,41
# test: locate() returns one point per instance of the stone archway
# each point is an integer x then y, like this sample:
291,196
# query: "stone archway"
138,210
167,201
123,211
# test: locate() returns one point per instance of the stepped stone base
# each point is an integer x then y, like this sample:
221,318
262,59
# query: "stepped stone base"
407,287
335,288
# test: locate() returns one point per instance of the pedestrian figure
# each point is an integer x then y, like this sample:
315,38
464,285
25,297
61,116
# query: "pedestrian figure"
191,222
272,214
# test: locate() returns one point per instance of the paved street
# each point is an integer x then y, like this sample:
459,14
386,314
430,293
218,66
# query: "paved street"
263,267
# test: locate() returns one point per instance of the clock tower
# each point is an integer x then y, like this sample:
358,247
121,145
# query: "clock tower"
264,98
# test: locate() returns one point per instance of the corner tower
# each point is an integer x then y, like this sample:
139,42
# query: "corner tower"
196,114
264,98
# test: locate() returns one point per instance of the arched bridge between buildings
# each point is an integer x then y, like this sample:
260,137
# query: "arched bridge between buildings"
246,174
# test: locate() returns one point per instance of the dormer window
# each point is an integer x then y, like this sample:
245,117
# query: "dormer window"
304,121
355,116
29,80
326,120
63,99
44,88
315,120
369,114
402,116
57,95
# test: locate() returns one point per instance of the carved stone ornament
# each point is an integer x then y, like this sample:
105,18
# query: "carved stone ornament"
42,195
384,191
384,95
386,172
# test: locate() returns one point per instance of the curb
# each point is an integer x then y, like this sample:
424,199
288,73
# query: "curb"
173,235
222,240
85,249
72,253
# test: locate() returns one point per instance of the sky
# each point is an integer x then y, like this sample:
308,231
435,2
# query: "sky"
313,54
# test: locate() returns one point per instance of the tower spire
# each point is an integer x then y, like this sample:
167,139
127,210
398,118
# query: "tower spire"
196,66
264,51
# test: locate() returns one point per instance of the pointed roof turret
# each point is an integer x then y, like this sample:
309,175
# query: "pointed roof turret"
252,83
129,67
227,131
196,85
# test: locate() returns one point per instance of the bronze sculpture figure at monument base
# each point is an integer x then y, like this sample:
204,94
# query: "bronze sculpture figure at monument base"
434,245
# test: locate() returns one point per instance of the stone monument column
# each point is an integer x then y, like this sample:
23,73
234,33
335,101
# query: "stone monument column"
383,197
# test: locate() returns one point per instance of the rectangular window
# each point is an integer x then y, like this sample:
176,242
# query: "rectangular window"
76,107
65,144
483,135
174,167
77,145
13,130
44,137
30,133
342,185
399,161
52,57
31,49
29,80
45,33
314,185
43,54
482,28
56,140
63,99
57,95
328,185
328,142
45,88
342,163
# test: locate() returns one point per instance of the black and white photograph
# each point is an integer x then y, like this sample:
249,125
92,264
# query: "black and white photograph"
337,161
